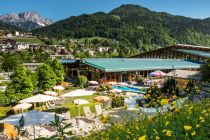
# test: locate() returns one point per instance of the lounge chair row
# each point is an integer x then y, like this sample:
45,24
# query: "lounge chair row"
87,112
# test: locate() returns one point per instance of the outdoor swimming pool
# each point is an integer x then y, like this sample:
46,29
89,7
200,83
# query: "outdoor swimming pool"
129,88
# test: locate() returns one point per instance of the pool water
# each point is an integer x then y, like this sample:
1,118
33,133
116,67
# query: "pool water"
128,88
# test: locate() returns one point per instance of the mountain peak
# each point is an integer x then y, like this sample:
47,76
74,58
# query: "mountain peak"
130,9
26,20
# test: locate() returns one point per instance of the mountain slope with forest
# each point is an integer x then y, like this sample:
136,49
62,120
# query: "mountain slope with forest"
133,26
9,28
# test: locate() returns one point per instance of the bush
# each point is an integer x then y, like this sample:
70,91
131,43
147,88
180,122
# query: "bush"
4,83
2,78
4,100
108,87
117,101
82,81
4,110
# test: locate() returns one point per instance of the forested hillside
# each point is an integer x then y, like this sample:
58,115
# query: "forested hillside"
133,26
8,28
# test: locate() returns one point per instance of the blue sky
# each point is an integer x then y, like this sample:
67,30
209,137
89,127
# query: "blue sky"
60,9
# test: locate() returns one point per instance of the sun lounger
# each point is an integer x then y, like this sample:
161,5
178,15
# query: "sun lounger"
88,113
67,115
99,110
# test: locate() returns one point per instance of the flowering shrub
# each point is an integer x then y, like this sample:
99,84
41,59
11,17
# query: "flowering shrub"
117,101
192,121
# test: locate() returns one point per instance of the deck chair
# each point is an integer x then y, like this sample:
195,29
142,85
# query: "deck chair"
99,110
10,131
88,113
67,115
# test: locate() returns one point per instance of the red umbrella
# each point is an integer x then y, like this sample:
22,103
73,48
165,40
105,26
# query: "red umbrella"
157,73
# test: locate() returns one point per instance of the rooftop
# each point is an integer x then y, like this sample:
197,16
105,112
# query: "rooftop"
195,52
135,64
186,74
69,61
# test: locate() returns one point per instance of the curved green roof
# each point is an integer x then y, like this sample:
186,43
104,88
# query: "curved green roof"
195,52
137,64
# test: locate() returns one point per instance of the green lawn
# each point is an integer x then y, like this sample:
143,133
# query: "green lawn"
27,40
74,108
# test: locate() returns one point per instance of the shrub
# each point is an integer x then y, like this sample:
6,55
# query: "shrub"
117,101
170,87
2,78
82,81
4,83
4,110
103,88
4,100
108,87
139,80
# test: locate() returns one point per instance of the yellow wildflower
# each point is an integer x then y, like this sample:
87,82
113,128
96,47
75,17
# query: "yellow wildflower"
201,119
142,137
193,133
191,107
187,127
150,118
168,133
157,138
164,102
164,130
204,111
177,110
137,128
197,125
174,97
167,122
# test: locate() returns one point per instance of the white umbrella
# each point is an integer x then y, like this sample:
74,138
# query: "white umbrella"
52,93
39,98
112,83
93,82
80,101
58,88
122,84
22,106
31,118
79,92
115,91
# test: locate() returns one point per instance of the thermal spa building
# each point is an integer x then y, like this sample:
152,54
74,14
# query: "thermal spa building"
179,56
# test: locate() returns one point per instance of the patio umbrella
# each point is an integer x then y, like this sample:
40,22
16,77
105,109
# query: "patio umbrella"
22,106
52,93
112,83
58,88
115,91
39,98
122,84
93,82
30,118
157,73
101,99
